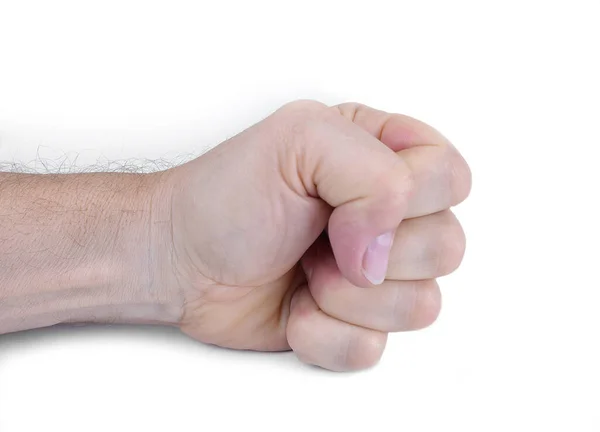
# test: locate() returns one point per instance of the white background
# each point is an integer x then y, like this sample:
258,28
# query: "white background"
514,84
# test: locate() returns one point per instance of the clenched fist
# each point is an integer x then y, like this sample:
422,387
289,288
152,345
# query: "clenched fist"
320,229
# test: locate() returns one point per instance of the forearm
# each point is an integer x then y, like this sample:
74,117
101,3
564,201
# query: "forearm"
83,248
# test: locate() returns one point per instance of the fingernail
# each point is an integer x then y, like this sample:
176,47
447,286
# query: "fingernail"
375,261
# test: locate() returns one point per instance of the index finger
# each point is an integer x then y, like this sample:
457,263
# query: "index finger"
442,178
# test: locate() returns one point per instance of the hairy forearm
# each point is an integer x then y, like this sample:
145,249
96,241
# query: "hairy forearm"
83,248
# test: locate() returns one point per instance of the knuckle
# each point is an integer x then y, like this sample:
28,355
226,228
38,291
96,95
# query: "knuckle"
364,349
427,305
461,178
405,177
296,119
397,185
403,306
452,248
303,108
349,110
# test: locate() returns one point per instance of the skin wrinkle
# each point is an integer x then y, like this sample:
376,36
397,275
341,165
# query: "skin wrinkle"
352,110
410,311
173,256
384,122
398,314
343,357
284,308
151,258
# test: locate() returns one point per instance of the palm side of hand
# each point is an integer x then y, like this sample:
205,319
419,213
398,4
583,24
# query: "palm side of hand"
245,214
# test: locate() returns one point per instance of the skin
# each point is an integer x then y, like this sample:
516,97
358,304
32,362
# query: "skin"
320,229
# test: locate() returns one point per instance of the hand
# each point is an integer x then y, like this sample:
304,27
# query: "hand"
320,229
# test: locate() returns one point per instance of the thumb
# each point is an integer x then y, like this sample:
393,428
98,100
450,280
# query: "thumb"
366,183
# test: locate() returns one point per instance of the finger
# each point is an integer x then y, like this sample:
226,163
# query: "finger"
399,132
391,306
427,247
321,340
365,182
442,178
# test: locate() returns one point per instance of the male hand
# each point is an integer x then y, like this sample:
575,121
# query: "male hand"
319,229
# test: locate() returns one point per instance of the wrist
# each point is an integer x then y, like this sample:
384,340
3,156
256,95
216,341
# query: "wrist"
160,285
85,248
135,263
